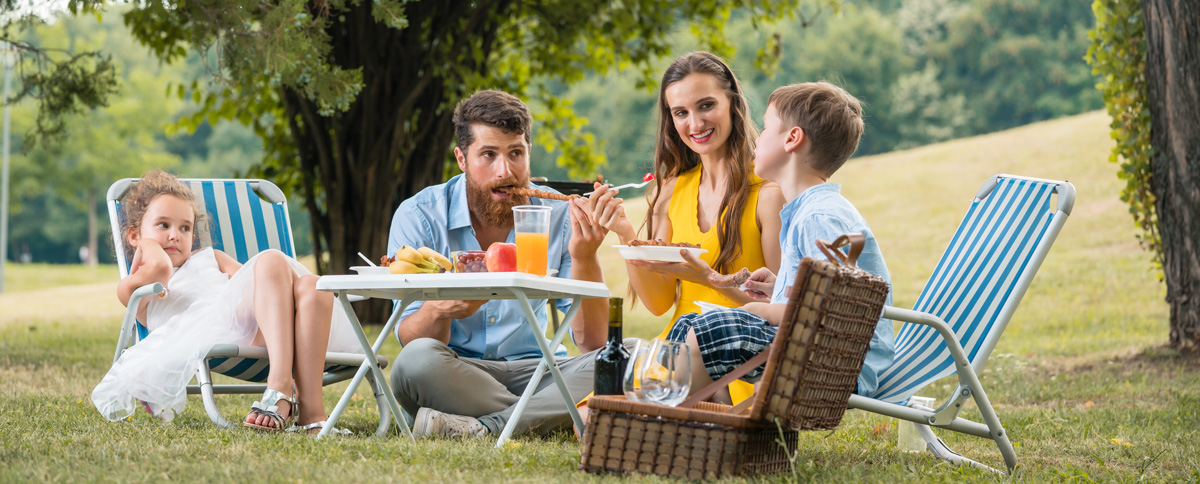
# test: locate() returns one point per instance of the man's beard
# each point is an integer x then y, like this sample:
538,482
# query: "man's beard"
492,211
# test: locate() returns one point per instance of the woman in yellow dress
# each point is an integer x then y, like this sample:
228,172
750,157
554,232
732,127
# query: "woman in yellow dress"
705,193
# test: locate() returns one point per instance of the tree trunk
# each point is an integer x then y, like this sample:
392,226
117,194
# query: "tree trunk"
1173,94
384,150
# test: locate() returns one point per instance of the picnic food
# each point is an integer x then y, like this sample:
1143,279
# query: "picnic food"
437,257
415,261
469,261
729,280
529,192
661,243
501,257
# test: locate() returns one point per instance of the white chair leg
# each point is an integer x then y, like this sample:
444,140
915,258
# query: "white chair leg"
385,413
940,450
204,378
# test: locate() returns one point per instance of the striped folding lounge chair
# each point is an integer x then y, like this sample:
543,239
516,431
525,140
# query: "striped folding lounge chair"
245,217
965,305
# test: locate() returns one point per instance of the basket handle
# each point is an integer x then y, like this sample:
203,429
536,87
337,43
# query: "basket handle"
738,372
856,241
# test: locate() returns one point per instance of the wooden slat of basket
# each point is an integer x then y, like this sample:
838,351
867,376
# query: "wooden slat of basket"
833,311
680,448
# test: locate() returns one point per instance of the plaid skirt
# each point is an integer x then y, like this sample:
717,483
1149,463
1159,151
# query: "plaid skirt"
727,338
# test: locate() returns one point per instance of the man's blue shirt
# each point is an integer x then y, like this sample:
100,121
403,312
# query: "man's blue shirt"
438,218
821,212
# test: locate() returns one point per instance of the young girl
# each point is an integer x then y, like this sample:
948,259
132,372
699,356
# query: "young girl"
212,299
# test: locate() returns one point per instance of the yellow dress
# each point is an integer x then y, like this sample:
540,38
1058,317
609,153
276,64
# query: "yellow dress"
685,227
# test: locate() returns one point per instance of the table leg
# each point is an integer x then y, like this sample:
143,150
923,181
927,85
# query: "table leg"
546,363
369,352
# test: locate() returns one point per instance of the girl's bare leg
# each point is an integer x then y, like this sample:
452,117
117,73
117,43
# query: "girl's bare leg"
275,311
700,378
313,314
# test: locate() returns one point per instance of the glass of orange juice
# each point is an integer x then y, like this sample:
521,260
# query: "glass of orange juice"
532,223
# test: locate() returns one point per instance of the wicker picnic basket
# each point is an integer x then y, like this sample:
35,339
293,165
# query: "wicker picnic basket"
812,368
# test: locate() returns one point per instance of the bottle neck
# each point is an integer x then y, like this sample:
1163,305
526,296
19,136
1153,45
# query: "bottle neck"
614,332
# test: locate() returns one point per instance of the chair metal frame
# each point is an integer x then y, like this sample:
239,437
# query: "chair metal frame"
966,348
247,363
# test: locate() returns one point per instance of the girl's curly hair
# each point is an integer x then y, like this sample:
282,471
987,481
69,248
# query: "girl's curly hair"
153,184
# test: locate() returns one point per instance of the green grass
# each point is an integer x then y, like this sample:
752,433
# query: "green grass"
1079,378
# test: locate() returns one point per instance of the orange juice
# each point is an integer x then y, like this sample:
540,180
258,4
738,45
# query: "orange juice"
531,252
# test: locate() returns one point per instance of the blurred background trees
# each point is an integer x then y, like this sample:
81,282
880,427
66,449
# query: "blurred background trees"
928,70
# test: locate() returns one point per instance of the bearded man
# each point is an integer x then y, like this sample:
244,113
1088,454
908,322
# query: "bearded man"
465,363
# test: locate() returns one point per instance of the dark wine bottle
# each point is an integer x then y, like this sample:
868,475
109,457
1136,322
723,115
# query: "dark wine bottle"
612,358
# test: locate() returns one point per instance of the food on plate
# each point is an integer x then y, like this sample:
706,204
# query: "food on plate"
529,192
661,243
469,261
416,261
729,280
501,257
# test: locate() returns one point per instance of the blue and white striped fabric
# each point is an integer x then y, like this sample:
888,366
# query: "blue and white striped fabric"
241,223
976,285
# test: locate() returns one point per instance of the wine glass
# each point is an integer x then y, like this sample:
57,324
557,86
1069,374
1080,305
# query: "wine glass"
665,373
631,383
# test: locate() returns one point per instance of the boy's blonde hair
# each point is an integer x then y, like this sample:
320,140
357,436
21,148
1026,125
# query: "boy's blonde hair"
830,117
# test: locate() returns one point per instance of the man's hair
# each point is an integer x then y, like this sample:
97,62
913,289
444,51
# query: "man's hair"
830,117
497,109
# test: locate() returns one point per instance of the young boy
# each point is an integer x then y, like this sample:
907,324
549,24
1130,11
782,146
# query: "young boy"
809,131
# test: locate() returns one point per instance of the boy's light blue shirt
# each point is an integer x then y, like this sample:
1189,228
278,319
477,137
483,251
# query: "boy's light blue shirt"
821,212
437,217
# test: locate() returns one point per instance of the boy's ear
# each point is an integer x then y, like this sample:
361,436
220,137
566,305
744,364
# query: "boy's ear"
132,237
794,139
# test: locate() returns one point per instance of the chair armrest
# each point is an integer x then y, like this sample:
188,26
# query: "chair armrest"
127,325
919,317
968,378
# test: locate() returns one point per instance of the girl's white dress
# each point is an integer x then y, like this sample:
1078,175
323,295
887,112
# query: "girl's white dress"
203,307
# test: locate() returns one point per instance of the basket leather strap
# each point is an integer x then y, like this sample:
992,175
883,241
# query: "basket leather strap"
738,372
856,241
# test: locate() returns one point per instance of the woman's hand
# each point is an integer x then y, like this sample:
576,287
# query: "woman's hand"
609,212
761,285
694,269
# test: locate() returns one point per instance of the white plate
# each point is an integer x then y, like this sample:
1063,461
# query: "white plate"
370,270
655,253
707,306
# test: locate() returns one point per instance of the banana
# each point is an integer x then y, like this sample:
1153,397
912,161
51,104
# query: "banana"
405,267
440,259
414,257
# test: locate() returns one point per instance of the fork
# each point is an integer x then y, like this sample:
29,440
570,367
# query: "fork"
629,185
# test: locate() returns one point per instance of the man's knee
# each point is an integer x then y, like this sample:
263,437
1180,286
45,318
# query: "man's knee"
421,359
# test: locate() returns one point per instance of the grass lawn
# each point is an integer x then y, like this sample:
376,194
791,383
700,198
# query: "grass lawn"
1079,380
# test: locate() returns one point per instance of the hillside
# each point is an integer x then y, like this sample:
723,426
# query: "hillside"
1095,277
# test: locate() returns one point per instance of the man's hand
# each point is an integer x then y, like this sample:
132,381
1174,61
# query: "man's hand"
609,212
586,233
761,284
454,309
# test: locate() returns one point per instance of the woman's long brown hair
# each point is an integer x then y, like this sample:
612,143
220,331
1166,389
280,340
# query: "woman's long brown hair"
672,156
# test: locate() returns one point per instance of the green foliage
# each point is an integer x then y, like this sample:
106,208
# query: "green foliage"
1118,56
62,82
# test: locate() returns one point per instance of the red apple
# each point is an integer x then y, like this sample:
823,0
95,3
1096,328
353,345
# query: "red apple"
501,257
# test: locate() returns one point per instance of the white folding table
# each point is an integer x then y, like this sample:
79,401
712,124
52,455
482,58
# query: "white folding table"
408,288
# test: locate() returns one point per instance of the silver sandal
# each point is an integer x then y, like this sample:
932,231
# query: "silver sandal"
319,425
269,407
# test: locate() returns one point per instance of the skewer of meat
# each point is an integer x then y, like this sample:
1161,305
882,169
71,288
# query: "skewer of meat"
729,280
543,194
